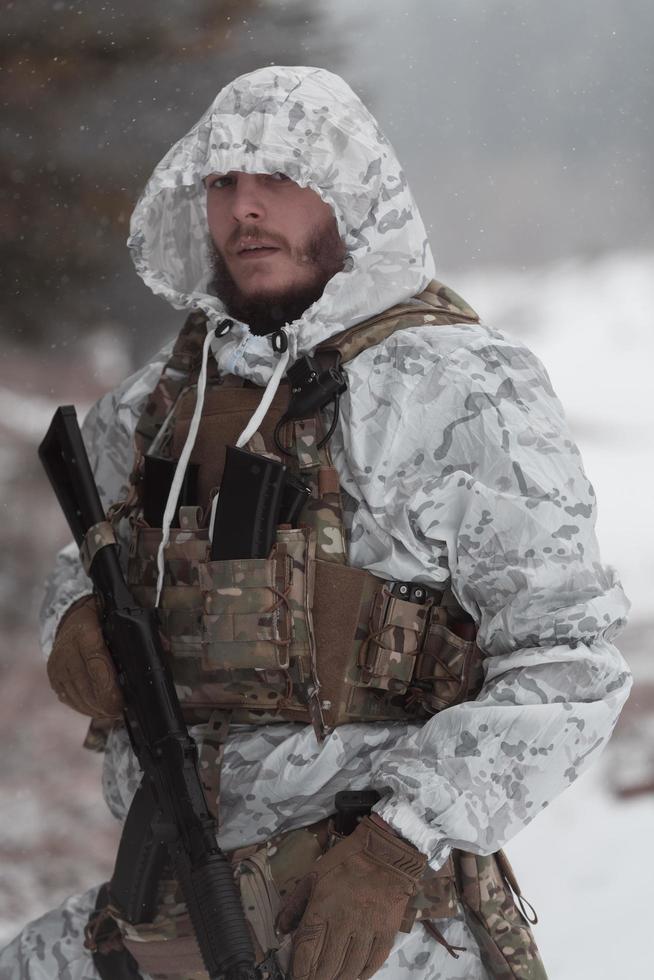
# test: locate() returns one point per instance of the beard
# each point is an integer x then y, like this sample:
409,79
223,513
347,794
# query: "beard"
266,311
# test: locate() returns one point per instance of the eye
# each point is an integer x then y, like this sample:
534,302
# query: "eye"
219,181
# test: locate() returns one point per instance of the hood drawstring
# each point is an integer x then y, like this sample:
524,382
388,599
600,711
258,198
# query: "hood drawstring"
180,469
279,344
261,410
268,395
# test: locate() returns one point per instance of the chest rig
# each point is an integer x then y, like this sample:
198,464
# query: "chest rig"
299,635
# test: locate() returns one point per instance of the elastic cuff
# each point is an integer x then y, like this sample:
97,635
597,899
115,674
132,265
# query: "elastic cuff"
403,819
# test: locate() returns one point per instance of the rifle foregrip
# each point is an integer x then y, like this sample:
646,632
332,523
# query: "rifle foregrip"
216,912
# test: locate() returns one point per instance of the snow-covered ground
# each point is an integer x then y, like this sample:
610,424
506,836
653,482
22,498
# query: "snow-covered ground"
584,862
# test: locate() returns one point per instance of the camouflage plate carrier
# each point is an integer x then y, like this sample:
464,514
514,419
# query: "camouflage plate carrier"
302,635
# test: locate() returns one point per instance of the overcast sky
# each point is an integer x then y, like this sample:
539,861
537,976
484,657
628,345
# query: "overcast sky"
525,128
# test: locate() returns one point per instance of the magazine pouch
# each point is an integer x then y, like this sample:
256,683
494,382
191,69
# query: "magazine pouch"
449,667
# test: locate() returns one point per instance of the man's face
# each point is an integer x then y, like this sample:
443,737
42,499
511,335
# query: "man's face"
276,246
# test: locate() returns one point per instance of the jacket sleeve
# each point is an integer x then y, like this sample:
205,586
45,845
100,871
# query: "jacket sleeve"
108,432
482,475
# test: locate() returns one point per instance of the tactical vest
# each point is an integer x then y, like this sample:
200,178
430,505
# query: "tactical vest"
299,635
303,636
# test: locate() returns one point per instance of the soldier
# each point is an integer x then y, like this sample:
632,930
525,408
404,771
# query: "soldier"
436,625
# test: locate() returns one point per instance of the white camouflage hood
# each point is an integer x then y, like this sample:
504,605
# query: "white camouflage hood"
308,124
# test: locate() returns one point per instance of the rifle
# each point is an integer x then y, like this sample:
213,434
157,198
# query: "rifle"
170,813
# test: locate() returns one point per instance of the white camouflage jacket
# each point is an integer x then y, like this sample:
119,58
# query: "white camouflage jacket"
457,467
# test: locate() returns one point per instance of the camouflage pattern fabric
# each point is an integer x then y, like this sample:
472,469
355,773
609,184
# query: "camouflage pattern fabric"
308,124
245,635
324,511
502,932
97,537
388,654
456,469
435,305
185,356
449,666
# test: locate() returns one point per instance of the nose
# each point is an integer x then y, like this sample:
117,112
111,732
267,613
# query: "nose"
247,201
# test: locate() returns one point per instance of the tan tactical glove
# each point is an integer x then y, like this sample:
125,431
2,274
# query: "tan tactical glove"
349,909
80,668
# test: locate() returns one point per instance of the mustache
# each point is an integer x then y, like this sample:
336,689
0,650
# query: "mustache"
253,234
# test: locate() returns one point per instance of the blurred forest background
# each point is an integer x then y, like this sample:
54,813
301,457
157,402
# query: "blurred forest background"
526,133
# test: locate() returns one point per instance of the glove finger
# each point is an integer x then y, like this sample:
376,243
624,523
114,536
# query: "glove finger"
341,956
307,952
295,905
377,954
105,691
353,958
78,693
53,681
57,668
62,694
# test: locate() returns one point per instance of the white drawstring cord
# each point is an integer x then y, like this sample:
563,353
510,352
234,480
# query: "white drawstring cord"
212,519
182,463
243,439
255,421
268,395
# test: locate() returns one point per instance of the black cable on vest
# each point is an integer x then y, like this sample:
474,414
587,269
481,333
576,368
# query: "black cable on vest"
332,427
330,432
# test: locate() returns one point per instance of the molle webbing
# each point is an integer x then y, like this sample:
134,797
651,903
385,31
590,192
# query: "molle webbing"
299,635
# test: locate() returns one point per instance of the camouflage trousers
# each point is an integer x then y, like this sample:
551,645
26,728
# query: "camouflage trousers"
52,948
